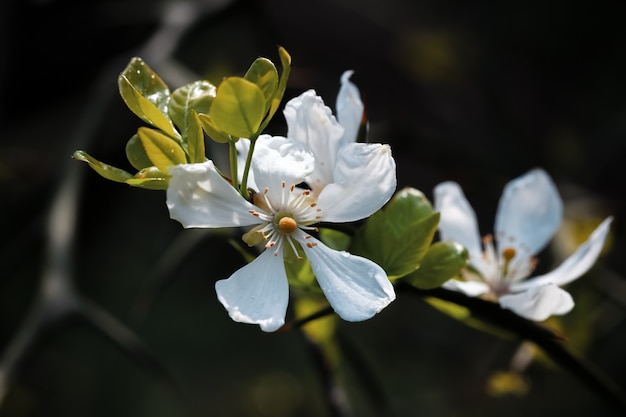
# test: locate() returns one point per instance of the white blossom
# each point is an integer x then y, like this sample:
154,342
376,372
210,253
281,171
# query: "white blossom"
529,213
318,173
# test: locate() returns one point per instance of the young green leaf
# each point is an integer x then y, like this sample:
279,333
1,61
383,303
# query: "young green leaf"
195,139
136,154
285,61
263,73
161,149
196,96
146,95
150,178
238,107
107,171
443,261
211,130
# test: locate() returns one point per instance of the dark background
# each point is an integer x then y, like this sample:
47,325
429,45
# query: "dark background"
477,93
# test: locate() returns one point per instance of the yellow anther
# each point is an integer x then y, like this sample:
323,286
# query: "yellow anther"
508,254
287,225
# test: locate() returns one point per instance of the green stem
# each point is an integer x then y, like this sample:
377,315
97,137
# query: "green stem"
232,154
244,181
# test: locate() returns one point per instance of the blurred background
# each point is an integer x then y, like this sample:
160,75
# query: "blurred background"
107,307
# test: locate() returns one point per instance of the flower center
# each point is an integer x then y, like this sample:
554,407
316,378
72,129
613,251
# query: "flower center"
502,269
287,225
282,216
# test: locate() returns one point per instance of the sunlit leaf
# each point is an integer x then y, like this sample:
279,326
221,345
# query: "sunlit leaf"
196,96
146,95
149,183
161,149
263,73
150,178
398,236
238,107
285,61
107,171
211,130
195,139
443,261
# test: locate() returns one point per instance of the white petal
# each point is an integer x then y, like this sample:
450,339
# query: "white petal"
469,288
529,213
311,123
457,220
356,287
258,293
364,180
349,108
576,264
198,196
277,159
539,302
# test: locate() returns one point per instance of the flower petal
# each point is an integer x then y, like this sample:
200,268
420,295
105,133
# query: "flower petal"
363,181
356,287
539,303
277,160
198,196
457,220
258,293
469,288
349,108
576,264
311,122
529,213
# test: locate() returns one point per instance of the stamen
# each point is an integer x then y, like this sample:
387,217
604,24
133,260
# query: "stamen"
507,254
293,247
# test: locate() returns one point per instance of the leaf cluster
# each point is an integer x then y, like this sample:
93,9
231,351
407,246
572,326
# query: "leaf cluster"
177,121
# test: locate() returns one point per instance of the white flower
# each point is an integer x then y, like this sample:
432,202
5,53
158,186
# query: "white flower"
529,213
283,213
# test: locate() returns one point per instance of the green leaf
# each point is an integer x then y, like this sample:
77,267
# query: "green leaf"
146,95
195,139
136,154
107,171
238,107
335,239
196,96
150,178
162,150
443,261
263,73
211,130
413,205
398,236
285,61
